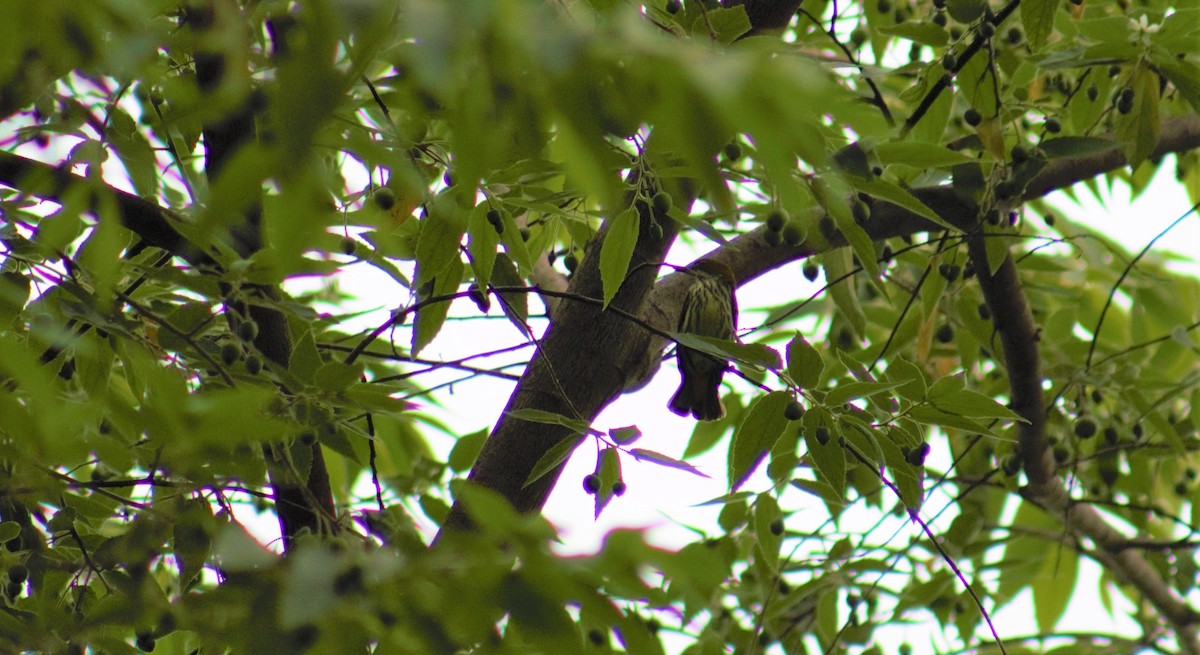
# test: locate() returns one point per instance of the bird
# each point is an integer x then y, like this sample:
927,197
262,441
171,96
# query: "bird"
709,310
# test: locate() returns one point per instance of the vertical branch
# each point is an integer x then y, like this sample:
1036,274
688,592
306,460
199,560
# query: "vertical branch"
1020,337
299,504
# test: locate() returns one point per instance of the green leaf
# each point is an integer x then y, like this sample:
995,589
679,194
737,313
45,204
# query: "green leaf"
608,468
617,250
191,540
828,458
430,317
913,383
466,450
1180,72
134,151
336,376
235,550
438,243
642,454
756,434
897,195
306,359
482,241
552,458
918,31
934,416
9,530
308,588
1139,128
767,519
1037,17
839,270
974,405
853,390
727,23
919,154
977,83
625,436
514,305
996,247
1076,146
907,477
550,418
965,11
804,363
753,354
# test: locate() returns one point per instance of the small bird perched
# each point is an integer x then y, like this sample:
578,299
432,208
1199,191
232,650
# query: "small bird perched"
709,310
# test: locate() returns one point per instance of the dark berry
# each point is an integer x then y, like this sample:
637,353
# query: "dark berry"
811,272
917,455
349,246
1053,126
822,435
384,198
945,333
1011,465
591,483
230,352
662,202
1125,101
732,151
793,411
248,330
949,271
1110,435
973,117
829,228
481,300
619,488
18,573
1085,427
777,527
861,212
1006,190
776,220
793,233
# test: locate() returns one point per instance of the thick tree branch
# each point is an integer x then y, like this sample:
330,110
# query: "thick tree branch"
580,367
299,504
151,222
